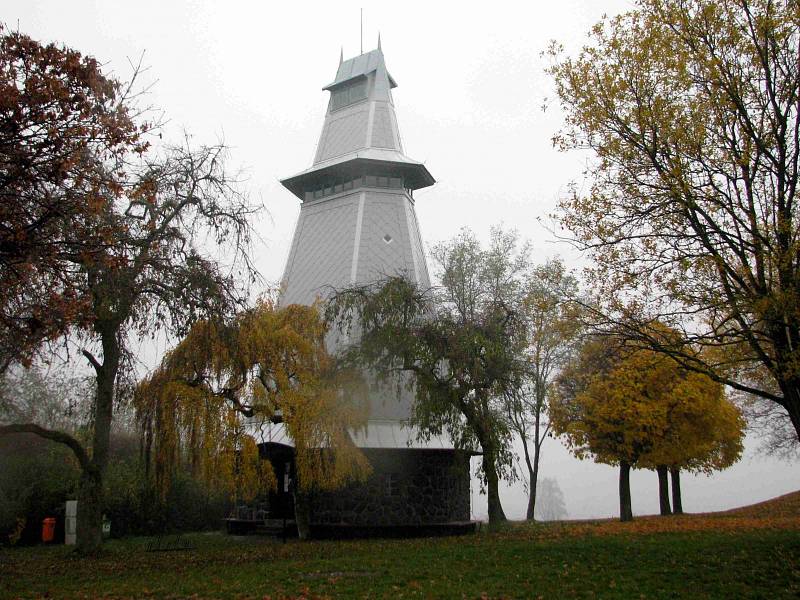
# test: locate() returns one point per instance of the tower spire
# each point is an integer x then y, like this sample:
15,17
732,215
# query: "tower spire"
360,135
341,55
379,40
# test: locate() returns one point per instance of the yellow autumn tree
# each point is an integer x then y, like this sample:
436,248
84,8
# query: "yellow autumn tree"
690,108
704,432
632,407
268,365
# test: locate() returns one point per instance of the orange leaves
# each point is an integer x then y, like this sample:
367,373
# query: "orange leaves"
676,524
782,513
63,124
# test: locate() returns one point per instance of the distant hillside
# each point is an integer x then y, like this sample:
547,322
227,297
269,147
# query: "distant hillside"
787,505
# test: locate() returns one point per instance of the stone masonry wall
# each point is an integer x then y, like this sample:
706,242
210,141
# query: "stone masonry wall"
407,487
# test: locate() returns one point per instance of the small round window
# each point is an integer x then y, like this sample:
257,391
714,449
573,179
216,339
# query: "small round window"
387,238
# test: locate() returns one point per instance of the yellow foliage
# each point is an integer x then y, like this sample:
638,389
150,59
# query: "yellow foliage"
690,109
628,404
269,361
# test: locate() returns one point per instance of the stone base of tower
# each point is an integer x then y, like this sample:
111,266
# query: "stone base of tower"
407,487
411,492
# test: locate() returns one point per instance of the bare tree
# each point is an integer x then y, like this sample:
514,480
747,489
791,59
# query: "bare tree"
551,501
552,328
772,424
150,267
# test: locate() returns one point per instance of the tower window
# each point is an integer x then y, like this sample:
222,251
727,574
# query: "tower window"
349,94
338,185
387,238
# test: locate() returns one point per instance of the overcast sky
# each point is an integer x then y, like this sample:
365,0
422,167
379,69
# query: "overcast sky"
470,103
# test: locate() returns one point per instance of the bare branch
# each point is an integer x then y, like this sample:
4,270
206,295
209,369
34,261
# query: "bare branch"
92,360
55,436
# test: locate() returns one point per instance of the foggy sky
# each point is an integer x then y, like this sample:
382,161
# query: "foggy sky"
474,103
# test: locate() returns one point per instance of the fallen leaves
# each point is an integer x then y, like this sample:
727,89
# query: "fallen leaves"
718,554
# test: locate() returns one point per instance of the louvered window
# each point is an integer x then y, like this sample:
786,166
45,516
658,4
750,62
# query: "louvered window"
349,94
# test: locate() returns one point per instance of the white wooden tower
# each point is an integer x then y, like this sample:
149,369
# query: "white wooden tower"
357,222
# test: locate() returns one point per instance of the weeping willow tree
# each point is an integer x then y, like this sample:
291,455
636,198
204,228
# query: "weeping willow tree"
269,364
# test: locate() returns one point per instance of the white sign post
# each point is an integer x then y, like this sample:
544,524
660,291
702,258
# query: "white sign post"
71,523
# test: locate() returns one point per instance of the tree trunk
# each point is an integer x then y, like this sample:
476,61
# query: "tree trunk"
791,398
625,511
677,504
89,527
496,514
90,491
534,478
530,514
663,490
533,470
533,473
302,514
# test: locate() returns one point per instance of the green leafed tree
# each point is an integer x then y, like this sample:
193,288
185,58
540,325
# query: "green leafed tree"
552,326
461,343
691,109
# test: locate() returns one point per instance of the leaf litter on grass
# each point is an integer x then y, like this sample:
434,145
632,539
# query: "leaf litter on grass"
432,567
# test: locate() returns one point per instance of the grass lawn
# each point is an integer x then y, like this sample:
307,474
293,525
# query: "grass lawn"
723,555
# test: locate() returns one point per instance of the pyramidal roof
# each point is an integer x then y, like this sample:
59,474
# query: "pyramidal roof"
360,132
361,66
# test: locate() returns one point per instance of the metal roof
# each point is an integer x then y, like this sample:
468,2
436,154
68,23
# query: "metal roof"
391,434
362,135
415,174
364,231
359,66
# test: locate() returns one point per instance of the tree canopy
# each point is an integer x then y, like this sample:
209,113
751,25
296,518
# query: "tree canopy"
552,327
690,107
461,343
124,240
632,407
224,381
65,128
703,431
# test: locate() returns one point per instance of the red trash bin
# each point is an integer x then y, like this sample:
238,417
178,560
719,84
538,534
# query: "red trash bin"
48,529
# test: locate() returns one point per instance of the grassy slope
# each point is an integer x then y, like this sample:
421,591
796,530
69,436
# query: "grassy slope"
752,553
787,505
